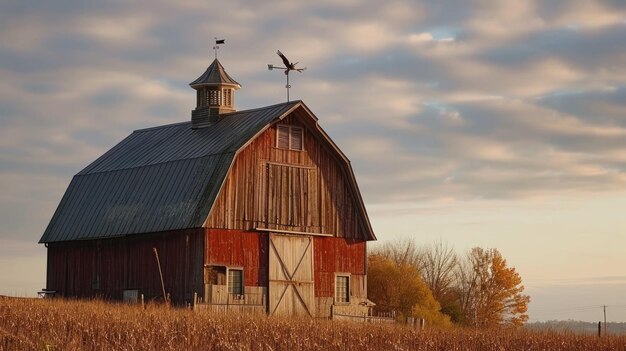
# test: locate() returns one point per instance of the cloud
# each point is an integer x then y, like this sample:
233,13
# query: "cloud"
461,119
489,99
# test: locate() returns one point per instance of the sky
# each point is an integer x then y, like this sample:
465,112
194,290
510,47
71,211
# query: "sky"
478,123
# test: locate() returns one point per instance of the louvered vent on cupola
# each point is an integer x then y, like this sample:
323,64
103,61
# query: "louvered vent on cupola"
215,95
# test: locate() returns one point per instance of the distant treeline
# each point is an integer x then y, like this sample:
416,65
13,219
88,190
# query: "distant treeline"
577,326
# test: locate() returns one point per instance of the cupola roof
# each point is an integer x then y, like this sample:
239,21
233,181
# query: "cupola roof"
214,75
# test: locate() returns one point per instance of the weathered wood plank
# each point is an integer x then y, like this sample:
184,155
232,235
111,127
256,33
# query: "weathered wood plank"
291,288
106,268
289,190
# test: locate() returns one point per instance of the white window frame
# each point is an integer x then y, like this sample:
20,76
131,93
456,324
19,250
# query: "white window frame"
243,285
348,294
290,129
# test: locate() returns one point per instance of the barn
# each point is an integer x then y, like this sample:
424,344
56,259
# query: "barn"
254,209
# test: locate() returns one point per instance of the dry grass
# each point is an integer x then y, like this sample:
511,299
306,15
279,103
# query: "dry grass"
30,324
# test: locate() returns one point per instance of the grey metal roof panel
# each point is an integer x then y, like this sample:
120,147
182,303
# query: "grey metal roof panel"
179,141
215,74
157,179
159,197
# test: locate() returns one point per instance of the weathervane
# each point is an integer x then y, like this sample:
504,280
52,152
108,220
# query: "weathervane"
217,45
289,66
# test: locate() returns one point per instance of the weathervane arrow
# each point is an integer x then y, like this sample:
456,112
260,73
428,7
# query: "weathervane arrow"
289,66
218,42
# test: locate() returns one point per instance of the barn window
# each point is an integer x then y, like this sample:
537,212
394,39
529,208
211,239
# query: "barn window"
289,137
215,275
235,281
130,295
282,138
342,289
295,138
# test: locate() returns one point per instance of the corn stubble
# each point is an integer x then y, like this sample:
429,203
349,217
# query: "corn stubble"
32,324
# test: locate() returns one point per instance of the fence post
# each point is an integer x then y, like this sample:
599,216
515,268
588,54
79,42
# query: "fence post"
422,324
195,300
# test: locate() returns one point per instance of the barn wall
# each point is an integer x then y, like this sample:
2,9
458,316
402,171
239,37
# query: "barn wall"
305,191
338,255
239,248
105,268
249,249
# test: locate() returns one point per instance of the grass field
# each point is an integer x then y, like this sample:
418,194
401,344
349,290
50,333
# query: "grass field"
33,324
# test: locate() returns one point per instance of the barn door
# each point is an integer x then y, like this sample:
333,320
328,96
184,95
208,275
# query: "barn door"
288,198
291,290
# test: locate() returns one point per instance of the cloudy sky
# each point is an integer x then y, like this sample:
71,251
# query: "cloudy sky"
491,123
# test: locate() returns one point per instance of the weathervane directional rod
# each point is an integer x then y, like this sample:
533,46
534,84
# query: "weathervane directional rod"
290,66
216,47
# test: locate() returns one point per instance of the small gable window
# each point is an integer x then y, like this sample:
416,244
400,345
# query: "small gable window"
289,137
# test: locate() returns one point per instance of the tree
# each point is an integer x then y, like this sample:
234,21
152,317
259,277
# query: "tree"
490,292
398,287
438,263
402,252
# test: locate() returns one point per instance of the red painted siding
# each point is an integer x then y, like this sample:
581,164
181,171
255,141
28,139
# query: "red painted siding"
332,255
247,249
105,268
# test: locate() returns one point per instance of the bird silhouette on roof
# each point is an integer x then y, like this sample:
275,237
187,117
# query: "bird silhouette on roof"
290,66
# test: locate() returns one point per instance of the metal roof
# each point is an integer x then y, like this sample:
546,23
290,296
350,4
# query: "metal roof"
214,75
156,179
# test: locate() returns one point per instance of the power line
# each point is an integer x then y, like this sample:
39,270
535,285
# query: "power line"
570,309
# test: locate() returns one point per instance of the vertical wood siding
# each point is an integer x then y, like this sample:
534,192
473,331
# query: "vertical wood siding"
238,248
291,277
305,191
107,267
334,255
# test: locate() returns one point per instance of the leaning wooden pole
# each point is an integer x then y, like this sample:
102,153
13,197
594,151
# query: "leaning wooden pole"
156,254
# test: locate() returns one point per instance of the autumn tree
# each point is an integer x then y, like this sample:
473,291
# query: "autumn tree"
398,287
490,292
436,264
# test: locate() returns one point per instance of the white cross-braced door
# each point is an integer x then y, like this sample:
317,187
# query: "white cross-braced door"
291,290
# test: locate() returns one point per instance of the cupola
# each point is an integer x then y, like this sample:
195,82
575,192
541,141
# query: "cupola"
215,95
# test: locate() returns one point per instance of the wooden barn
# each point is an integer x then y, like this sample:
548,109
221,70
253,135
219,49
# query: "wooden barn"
247,209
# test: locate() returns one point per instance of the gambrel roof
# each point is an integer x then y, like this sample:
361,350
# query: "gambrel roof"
167,178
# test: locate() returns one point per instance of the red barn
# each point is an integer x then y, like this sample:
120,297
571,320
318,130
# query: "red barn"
245,208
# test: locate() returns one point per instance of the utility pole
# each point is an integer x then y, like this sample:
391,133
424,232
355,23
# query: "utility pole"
604,307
